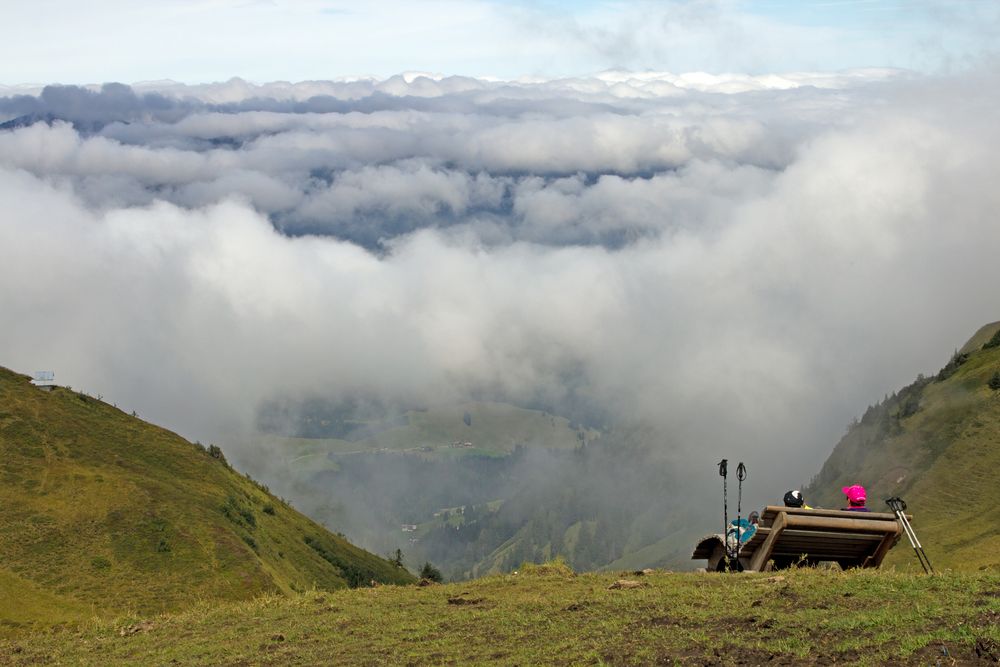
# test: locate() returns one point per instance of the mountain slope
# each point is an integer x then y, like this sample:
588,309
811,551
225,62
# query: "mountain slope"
936,443
101,512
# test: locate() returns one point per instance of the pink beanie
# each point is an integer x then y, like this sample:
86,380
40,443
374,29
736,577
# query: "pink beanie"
855,494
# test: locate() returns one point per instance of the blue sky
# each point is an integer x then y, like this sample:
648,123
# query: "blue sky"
207,40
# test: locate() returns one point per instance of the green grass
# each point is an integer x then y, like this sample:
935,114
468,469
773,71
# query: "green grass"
102,513
545,615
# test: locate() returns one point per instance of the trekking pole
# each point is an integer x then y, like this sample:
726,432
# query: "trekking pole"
898,507
741,474
724,470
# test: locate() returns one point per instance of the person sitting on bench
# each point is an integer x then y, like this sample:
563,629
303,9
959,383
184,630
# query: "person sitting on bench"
856,498
795,499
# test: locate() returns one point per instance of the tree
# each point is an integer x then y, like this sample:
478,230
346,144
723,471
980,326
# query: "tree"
994,382
216,453
467,418
993,342
397,558
431,573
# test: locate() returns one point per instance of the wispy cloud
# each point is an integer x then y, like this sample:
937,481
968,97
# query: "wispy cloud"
320,39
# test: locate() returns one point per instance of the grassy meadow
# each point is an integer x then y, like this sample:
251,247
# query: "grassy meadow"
547,615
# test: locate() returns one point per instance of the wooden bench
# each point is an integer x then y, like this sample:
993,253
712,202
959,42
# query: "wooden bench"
787,535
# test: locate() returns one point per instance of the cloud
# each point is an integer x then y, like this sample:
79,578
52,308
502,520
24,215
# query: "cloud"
740,272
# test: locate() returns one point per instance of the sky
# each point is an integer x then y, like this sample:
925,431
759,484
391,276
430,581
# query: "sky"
198,41
736,224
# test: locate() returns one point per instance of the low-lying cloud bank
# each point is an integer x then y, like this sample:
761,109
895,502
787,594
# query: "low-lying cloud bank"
742,262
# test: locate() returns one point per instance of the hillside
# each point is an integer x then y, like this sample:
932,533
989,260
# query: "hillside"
936,443
101,513
545,615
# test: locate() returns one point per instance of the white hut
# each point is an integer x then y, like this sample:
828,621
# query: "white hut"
44,380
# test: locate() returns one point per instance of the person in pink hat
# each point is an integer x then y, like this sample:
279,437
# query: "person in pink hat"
856,498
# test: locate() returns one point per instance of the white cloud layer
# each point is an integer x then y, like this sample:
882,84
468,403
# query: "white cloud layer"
743,270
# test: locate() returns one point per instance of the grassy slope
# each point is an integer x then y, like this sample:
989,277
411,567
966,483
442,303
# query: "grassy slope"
980,337
545,616
101,512
943,460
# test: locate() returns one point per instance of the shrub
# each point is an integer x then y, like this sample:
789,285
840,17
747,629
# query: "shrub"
252,543
993,342
100,563
163,546
216,453
269,509
236,512
952,366
994,382
910,407
431,573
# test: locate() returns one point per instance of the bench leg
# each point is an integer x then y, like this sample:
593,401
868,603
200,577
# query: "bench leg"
763,553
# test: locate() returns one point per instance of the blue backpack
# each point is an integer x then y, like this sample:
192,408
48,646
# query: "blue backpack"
744,528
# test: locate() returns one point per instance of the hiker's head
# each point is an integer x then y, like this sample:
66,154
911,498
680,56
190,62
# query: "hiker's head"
794,499
754,518
856,495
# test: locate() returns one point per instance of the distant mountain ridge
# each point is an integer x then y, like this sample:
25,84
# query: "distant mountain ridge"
102,513
936,443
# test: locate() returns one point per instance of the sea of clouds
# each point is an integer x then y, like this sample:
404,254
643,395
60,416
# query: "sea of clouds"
742,263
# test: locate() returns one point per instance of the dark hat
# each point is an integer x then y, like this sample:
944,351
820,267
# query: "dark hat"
794,499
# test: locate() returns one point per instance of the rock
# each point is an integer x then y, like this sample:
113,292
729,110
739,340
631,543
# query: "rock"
461,601
135,628
987,649
628,583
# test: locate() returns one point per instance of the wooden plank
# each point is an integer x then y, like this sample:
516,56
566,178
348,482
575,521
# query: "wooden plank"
851,541
827,554
755,541
851,524
763,552
811,545
823,536
771,511
807,547
827,544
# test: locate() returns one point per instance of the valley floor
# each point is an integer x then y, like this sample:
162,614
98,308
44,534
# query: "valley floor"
547,615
